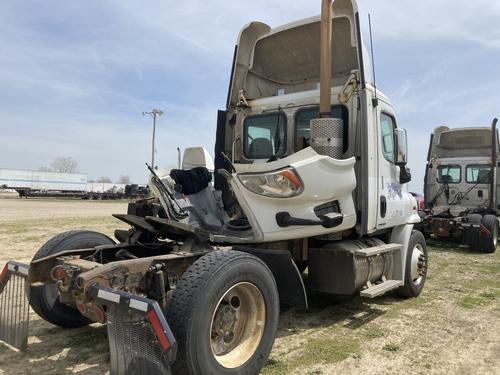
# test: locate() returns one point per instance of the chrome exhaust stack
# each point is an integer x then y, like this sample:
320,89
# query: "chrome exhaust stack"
327,133
493,183
326,59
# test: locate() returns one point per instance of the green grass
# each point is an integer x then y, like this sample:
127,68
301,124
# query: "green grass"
482,299
319,351
27,226
470,302
275,367
328,350
373,331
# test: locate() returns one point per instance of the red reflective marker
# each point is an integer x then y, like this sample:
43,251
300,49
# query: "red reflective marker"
157,327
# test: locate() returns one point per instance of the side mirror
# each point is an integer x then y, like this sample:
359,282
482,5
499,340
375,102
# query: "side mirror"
402,155
402,147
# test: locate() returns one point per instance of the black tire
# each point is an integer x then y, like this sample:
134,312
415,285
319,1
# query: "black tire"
489,242
413,287
45,299
472,234
192,308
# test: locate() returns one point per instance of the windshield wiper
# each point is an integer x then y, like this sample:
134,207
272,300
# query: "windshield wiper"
277,138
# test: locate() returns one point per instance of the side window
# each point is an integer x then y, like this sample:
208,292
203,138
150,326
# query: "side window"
265,136
478,174
387,126
303,118
449,174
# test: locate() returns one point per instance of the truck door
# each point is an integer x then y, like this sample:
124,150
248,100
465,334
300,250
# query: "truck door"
393,200
478,178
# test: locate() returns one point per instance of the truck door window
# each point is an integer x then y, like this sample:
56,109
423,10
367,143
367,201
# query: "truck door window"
387,126
478,174
261,138
450,174
303,118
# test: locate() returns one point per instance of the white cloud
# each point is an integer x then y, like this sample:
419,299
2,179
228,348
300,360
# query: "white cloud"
472,21
75,76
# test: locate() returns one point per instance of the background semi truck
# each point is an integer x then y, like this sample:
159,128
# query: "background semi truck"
310,172
461,186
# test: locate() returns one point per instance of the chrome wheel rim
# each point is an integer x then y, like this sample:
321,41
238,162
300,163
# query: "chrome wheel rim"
237,326
418,264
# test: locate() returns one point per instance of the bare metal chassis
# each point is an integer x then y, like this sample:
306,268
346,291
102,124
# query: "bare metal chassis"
84,268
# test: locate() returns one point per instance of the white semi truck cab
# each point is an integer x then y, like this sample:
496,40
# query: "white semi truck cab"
460,186
310,171
274,95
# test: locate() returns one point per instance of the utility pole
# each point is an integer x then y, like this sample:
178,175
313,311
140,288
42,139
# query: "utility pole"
153,114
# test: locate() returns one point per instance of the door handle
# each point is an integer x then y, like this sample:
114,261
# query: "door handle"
284,219
383,206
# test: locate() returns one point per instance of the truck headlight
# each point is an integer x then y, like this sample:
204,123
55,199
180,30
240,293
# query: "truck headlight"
284,183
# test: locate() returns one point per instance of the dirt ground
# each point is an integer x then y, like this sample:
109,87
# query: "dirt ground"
453,328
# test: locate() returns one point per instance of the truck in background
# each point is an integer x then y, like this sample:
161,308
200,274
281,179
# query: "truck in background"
461,186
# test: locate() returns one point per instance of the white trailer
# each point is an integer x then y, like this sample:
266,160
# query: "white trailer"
25,180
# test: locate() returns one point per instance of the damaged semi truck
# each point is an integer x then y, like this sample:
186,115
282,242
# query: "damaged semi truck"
311,172
460,186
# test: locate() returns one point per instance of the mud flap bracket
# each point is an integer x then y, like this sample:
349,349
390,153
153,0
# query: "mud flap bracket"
14,305
140,339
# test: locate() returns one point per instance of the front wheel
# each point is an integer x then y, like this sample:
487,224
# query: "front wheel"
224,314
415,266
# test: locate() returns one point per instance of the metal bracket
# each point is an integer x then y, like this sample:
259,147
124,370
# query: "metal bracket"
140,339
14,305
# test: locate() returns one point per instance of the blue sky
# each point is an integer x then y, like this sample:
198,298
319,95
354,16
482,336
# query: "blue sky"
75,76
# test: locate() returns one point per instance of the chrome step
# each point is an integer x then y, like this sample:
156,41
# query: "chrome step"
372,251
379,289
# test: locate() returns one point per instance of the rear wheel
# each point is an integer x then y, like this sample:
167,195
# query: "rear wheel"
416,266
472,234
45,299
489,240
224,314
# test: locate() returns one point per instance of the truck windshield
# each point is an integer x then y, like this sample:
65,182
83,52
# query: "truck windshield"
478,174
261,138
449,174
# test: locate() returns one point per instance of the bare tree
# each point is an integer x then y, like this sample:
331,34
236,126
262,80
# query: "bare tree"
64,165
44,169
104,179
124,179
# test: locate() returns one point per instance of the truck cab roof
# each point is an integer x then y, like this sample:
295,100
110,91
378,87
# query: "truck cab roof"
461,142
